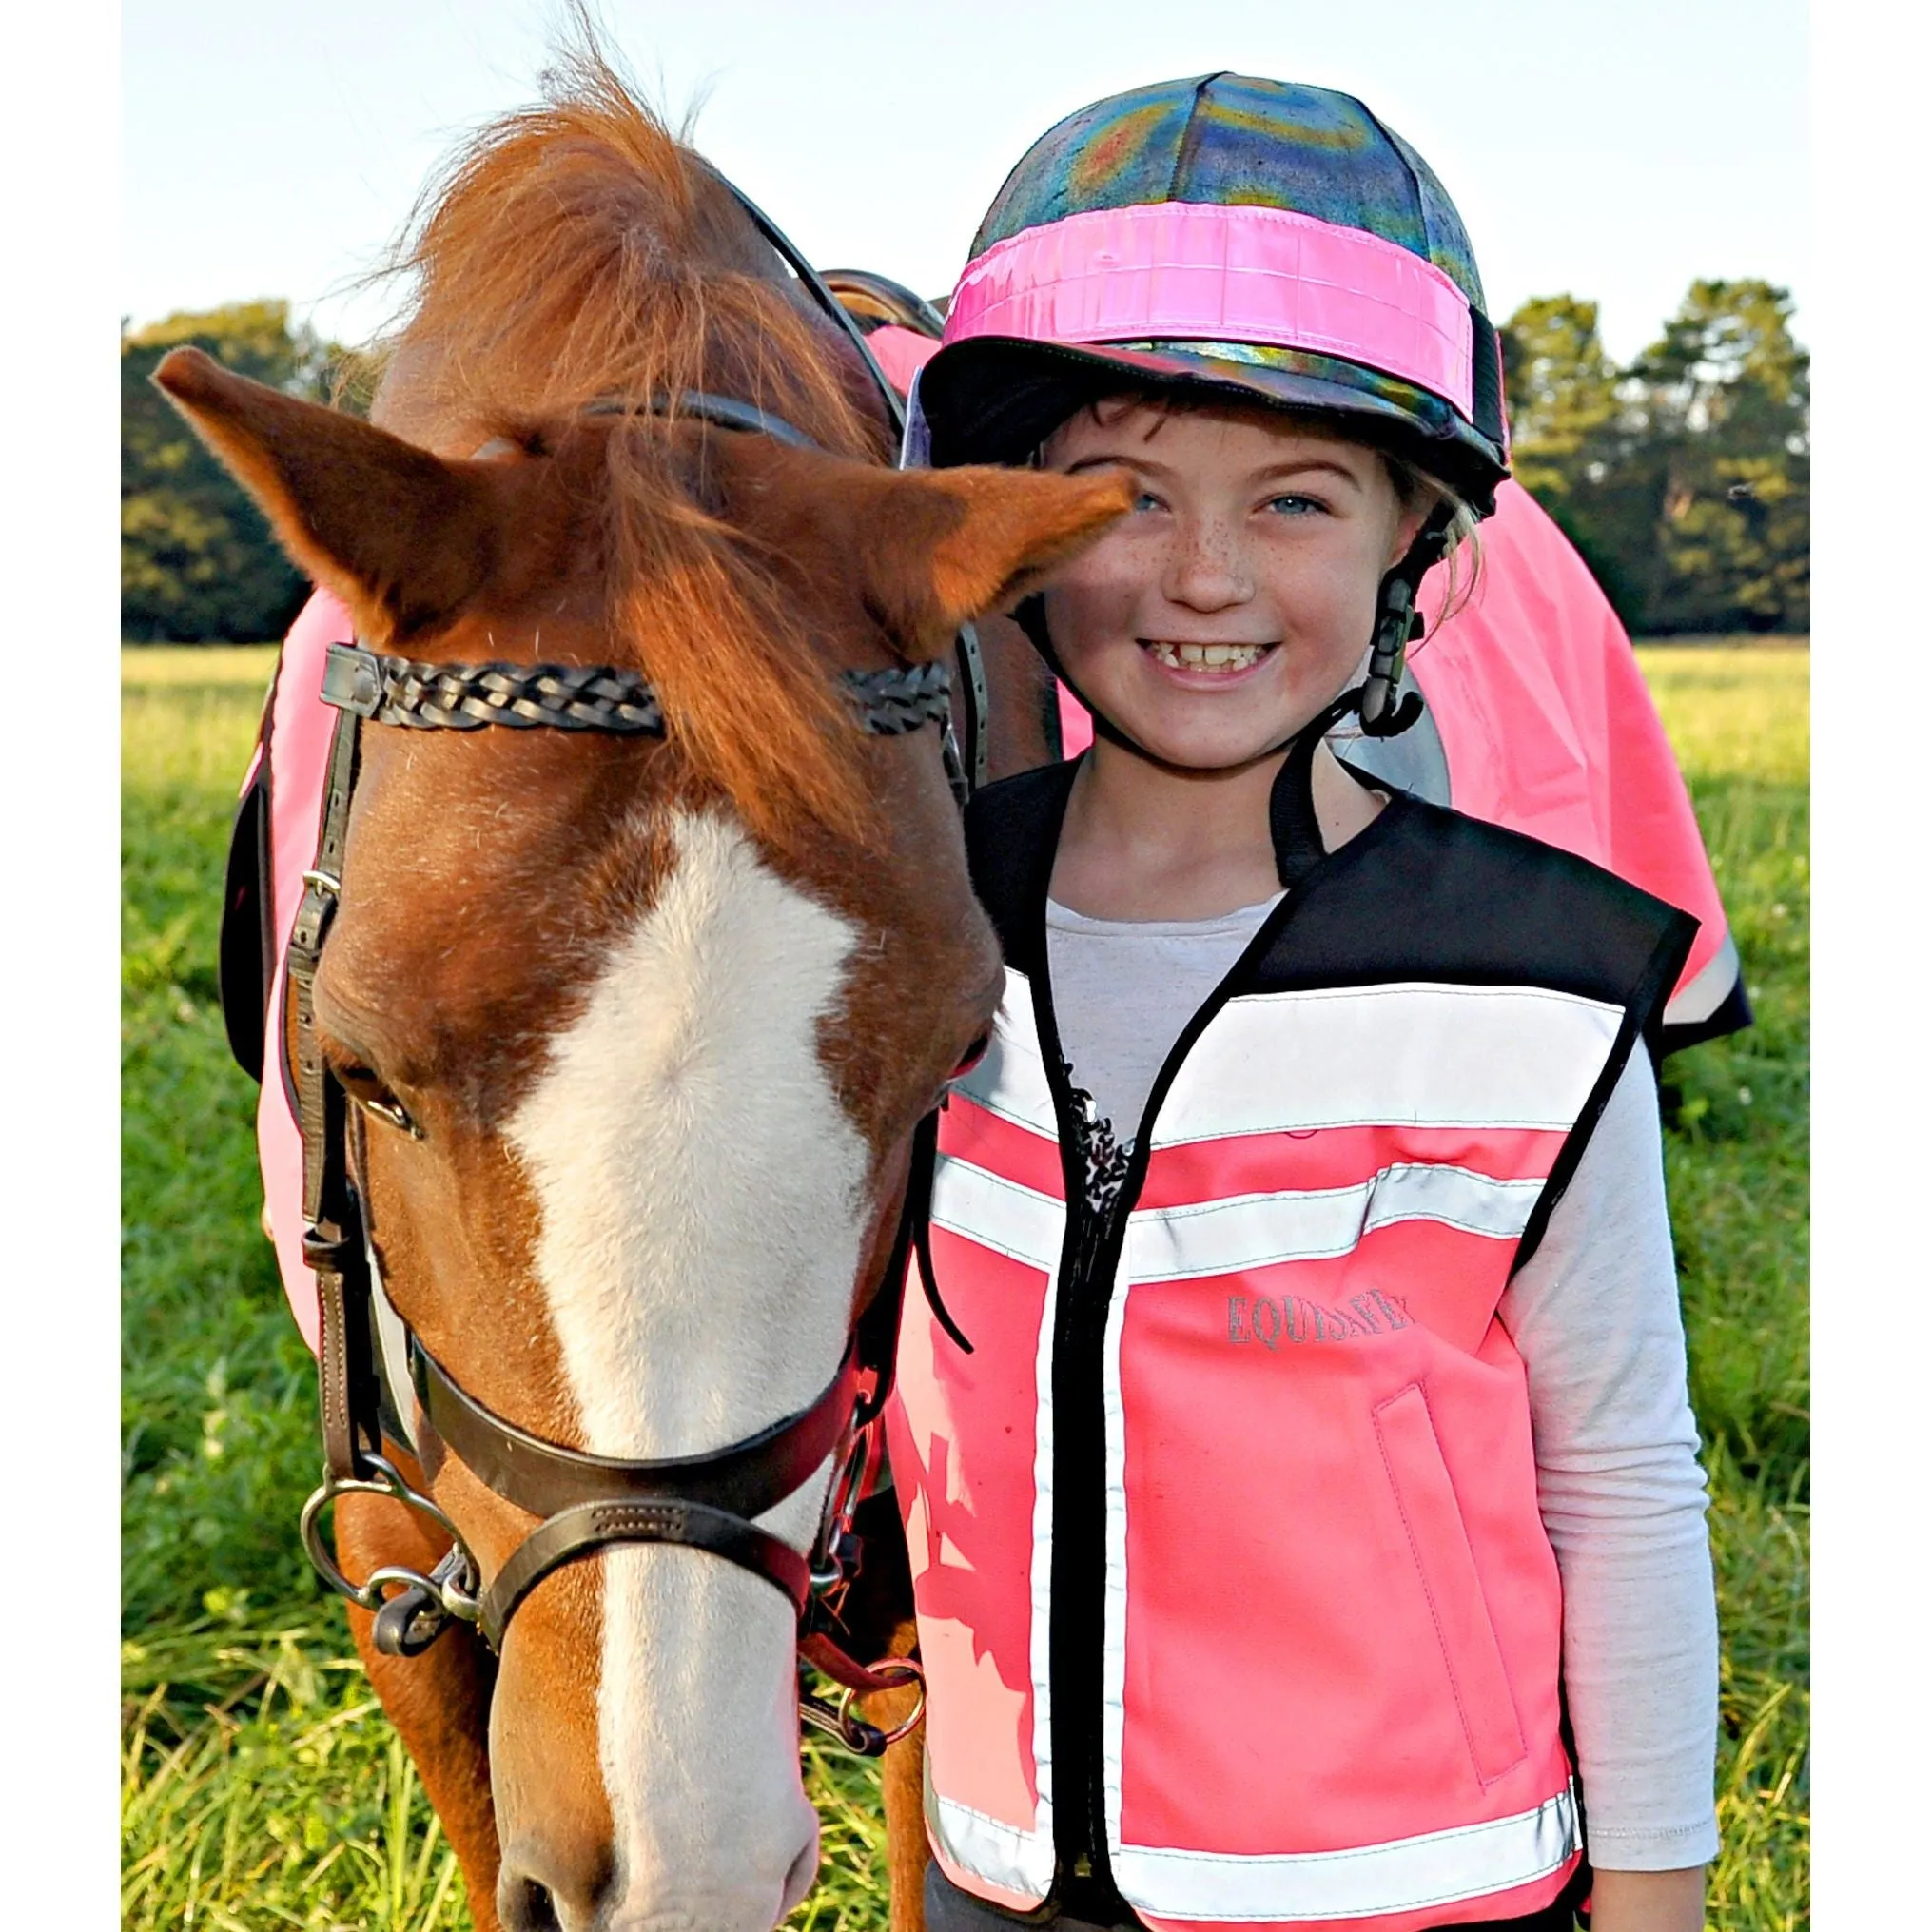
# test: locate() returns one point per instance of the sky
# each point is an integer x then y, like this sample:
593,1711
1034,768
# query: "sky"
1611,151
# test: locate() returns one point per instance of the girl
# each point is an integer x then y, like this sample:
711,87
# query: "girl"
1294,1442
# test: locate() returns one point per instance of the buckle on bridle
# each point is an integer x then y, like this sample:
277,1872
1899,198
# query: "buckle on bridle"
328,1249
836,1551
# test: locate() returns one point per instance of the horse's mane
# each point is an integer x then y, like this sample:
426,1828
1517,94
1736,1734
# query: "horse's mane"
578,250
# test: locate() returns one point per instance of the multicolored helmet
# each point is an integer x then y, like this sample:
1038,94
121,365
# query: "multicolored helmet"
1231,234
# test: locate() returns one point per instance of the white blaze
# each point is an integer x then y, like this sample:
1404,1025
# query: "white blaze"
700,1191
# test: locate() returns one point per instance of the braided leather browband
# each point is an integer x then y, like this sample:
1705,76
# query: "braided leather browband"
582,697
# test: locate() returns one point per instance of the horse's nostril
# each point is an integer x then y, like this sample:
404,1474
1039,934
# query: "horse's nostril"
525,1906
799,1879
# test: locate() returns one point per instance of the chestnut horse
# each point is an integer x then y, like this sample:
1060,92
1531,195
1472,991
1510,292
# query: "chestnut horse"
634,1029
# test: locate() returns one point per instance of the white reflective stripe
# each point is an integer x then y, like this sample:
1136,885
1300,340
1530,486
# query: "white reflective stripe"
1040,1573
1708,991
1438,1868
996,1213
1416,1054
1010,1080
1013,1860
1114,1595
1256,1230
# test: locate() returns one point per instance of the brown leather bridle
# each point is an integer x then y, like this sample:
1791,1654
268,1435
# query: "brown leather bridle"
381,1384
370,1363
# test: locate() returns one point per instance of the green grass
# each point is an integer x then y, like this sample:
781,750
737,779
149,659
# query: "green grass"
1738,1165
262,1789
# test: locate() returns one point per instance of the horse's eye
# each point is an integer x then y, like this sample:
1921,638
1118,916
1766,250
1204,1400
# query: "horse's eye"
365,1088
973,1055
396,1114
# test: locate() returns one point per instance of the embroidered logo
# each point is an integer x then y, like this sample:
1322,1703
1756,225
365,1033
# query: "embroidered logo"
1295,1319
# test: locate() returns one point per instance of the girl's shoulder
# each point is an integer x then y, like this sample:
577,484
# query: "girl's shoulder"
1424,893
1427,891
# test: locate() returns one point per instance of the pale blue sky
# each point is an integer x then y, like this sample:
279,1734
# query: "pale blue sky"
1611,150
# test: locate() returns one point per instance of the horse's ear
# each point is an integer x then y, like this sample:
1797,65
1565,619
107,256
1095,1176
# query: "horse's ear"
948,545
403,537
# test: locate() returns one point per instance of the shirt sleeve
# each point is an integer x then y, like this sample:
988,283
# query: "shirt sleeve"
1594,1315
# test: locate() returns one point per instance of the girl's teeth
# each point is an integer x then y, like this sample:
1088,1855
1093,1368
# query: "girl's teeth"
1208,656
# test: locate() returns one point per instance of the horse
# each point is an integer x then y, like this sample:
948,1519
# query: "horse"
629,1027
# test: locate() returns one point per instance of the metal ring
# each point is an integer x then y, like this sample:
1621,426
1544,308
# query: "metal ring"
456,1601
461,1591
322,1557
414,1499
902,1671
457,1598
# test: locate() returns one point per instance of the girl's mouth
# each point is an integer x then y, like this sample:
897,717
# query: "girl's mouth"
1220,660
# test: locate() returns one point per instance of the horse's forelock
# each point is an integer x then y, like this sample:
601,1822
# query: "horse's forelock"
578,250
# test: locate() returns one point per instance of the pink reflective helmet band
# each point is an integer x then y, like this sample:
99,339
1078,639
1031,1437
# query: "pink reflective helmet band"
1178,271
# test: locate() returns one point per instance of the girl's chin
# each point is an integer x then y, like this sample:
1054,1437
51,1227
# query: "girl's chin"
1205,751
1181,727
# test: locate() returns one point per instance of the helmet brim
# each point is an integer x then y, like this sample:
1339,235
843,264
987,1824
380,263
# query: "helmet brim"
996,398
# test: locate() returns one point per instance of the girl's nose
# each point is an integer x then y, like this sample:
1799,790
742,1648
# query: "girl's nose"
1207,569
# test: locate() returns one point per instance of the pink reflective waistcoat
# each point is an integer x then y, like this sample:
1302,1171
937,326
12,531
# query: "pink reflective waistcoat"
1232,1589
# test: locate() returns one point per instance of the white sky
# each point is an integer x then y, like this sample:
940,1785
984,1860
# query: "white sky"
1611,150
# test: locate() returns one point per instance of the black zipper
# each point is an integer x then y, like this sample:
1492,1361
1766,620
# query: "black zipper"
1084,1883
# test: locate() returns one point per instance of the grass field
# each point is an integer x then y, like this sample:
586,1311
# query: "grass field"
260,1786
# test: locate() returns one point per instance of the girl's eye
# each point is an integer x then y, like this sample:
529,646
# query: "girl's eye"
1148,500
1295,506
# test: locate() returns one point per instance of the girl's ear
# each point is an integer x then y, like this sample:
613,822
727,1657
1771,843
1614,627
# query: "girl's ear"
403,537
1408,527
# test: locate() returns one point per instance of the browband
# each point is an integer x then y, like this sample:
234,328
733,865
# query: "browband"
578,698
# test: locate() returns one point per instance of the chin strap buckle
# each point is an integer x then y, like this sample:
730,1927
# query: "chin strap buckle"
1398,624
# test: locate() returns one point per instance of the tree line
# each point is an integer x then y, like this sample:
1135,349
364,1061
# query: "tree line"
198,563
1684,478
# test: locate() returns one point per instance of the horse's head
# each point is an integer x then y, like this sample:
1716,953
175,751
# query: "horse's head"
638,1030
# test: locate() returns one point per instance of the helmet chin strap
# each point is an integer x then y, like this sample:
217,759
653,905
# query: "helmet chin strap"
1396,623
1030,615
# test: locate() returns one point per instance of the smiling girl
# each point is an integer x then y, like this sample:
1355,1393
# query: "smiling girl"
1294,1442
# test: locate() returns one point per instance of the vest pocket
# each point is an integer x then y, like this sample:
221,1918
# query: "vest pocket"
1432,1521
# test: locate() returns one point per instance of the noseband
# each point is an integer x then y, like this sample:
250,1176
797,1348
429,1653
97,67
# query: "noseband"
379,1380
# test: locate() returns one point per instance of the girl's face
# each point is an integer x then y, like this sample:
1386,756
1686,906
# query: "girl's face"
1238,599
